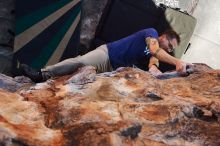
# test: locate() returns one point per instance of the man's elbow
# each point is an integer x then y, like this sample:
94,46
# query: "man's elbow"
155,51
152,50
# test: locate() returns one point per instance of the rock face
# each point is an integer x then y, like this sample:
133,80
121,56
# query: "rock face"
91,14
128,107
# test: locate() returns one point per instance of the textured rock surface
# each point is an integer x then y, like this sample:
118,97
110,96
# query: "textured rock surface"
91,14
125,107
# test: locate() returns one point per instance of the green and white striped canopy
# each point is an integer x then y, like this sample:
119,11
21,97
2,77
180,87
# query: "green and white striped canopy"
47,31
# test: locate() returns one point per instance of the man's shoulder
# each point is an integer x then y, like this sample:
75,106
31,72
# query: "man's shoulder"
150,32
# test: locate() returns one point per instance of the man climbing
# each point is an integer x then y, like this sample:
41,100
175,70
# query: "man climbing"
134,50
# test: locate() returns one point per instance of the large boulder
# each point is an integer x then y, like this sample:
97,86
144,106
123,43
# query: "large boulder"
121,108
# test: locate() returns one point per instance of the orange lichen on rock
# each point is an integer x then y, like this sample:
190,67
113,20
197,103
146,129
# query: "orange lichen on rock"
127,107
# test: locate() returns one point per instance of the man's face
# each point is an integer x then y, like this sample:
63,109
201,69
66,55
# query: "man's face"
167,44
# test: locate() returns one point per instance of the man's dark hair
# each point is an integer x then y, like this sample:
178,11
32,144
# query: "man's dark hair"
172,34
